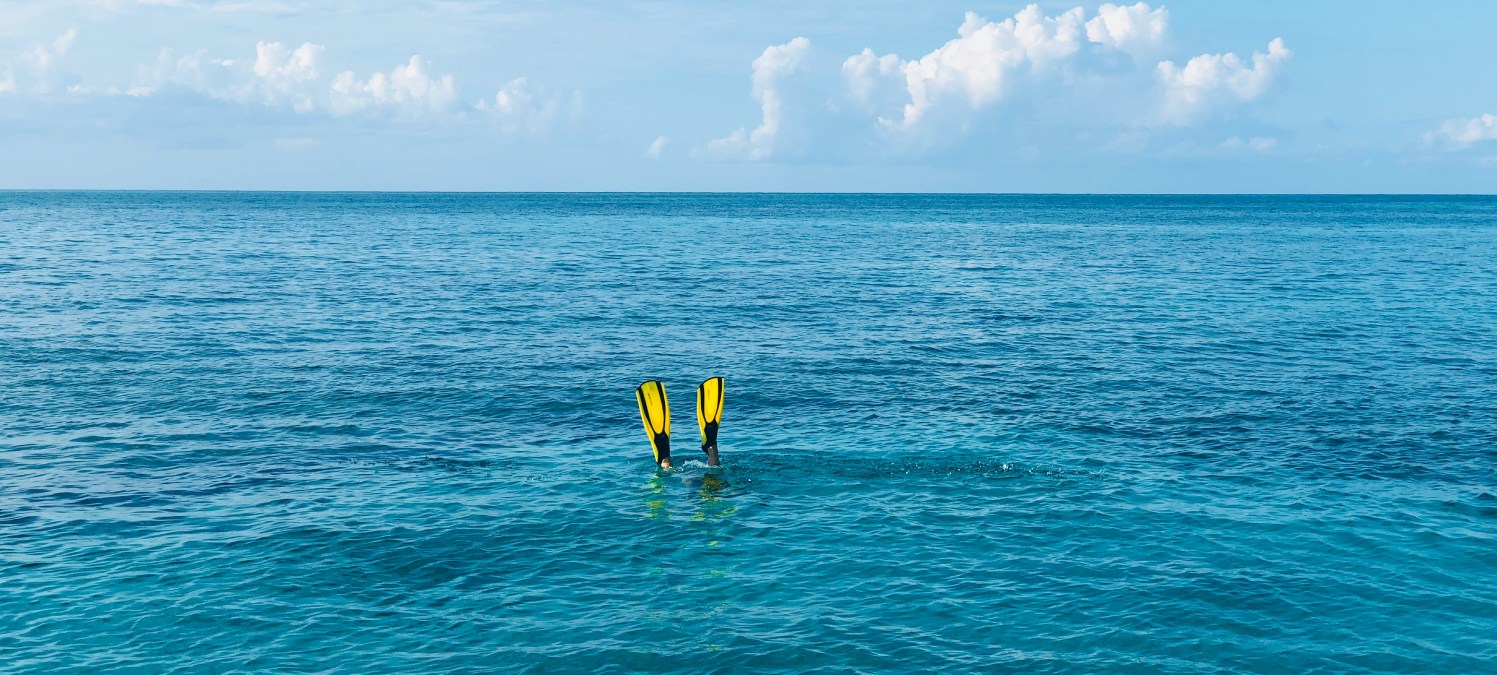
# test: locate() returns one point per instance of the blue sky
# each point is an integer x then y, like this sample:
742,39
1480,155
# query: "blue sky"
820,95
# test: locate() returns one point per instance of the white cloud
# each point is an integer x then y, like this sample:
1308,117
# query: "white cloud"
408,90
973,66
864,71
1129,28
1103,68
34,70
520,109
278,76
977,67
282,74
43,57
775,63
1461,133
1211,80
193,71
656,147
1099,69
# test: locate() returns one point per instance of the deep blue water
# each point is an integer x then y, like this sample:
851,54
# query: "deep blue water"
356,433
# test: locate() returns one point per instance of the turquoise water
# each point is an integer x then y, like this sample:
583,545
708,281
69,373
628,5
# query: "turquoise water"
357,433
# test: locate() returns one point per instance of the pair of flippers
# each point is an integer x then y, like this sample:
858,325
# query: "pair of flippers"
656,413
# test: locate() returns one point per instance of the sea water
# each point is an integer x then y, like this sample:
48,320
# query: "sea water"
353,433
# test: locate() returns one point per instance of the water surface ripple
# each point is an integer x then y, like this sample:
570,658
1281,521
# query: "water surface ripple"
352,433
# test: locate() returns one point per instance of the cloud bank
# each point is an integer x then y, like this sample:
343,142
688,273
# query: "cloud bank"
1101,73
285,77
295,80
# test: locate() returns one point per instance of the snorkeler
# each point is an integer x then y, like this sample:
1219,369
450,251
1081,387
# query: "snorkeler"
655,411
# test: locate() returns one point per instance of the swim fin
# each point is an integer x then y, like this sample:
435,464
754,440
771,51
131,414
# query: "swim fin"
710,415
656,414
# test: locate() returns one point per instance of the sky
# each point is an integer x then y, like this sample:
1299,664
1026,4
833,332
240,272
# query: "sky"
1269,96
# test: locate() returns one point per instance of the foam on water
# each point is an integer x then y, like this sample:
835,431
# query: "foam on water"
396,433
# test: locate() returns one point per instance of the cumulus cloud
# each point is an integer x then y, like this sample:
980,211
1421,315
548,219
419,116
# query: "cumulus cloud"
1103,67
293,78
282,74
777,62
1462,133
865,70
518,107
1130,28
409,90
194,71
278,76
1211,80
977,68
34,70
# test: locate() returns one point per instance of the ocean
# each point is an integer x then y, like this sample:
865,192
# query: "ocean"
357,433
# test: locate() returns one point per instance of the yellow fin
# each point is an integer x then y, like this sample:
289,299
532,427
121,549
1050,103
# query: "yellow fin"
710,410
655,412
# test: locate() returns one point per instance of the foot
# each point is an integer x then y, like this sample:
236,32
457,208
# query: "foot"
665,463
712,456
